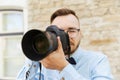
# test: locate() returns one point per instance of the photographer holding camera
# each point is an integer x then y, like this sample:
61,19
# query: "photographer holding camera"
67,61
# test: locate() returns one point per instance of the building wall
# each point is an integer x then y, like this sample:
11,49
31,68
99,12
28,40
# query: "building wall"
99,19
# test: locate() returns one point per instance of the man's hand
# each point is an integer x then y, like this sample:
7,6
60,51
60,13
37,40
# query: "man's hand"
55,60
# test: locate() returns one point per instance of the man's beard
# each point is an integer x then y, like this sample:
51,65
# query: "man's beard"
72,44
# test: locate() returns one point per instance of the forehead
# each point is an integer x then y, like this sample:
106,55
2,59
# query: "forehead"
66,22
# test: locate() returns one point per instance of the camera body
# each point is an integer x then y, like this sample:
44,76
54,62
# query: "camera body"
37,44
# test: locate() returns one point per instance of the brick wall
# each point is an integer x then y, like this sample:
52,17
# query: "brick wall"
100,24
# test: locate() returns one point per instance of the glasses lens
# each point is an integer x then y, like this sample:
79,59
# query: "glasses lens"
73,32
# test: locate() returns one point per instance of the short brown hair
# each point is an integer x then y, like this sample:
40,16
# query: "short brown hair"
62,12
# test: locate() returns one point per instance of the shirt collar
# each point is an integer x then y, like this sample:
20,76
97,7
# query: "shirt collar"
77,55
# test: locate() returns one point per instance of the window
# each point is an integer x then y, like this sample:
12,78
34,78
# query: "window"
11,32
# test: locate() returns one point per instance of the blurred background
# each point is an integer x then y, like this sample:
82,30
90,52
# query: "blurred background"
12,26
99,22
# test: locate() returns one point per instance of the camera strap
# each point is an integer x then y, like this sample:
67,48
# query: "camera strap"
40,66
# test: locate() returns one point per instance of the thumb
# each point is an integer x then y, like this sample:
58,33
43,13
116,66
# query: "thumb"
59,43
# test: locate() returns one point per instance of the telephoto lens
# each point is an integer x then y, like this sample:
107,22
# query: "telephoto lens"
37,44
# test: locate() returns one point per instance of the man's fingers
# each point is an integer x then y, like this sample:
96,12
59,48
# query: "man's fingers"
59,43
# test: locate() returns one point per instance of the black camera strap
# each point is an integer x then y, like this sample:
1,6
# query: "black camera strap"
40,66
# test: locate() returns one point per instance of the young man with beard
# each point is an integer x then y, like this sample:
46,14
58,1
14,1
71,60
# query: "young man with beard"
87,65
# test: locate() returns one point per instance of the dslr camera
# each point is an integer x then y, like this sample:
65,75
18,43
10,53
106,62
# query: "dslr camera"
37,44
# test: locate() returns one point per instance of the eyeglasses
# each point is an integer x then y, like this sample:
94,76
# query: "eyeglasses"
73,32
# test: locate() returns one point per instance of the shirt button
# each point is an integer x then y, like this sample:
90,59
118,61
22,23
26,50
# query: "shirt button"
62,78
34,66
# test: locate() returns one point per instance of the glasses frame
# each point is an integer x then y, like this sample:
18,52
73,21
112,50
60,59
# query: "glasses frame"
77,30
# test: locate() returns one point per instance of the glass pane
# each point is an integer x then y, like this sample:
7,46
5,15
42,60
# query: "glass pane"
13,46
13,66
12,22
13,57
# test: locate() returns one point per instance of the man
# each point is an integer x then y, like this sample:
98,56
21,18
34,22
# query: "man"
88,65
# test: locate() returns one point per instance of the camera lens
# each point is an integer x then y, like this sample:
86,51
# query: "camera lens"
41,43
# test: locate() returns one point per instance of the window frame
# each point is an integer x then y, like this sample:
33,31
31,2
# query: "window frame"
12,34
